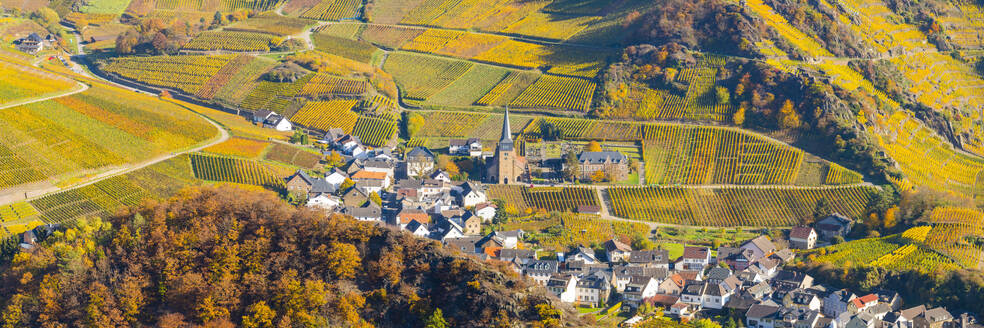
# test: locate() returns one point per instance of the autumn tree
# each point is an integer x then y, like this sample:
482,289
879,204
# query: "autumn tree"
739,117
592,146
436,320
598,176
572,167
259,315
342,259
788,117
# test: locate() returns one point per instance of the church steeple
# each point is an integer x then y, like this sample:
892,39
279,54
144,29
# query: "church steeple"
506,132
506,142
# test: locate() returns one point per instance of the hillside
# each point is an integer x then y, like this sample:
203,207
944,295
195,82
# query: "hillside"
220,256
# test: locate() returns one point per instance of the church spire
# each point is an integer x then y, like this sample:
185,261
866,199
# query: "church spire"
506,132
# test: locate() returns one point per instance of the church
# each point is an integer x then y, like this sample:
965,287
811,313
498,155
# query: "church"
506,167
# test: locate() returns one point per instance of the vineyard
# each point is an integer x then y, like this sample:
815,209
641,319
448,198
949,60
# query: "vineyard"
271,24
374,131
16,218
390,37
352,49
451,124
334,10
324,115
185,73
576,230
555,92
240,147
957,232
421,76
565,199
216,168
734,205
244,80
323,85
18,82
928,160
676,154
222,77
293,156
508,89
895,252
232,41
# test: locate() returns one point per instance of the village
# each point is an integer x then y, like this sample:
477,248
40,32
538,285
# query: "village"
748,282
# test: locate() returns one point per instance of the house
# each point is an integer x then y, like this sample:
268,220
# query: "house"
471,224
682,310
891,298
335,179
802,238
380,165
564,286
759,246
656,258
802,299
524,256
836,303
694,258
486,211
441,175
717,294
348,144
763,315
792,279
859,304
407,215
594,288
693,292
278,123
31,44
613,164
835,225
299,183
502,239
904,318
663,300
638,289
737,258
355,197
419,161
324,201
718,274
465,147
447,229
541,270
368,213
471,195
417,229
371,181
673,285
616,251
464,244
933,318
581,254
261,116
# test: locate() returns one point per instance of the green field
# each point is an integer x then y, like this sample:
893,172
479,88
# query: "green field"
421,76
471,86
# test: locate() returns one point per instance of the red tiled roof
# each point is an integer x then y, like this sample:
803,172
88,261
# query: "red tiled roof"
369,175
405,217
861,301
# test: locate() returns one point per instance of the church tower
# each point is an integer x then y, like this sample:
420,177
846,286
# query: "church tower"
506,167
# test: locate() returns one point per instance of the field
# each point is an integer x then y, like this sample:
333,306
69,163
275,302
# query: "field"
390,37
232,41
356,50
239,147
322,85
733,205
184,73
420,76
895,252
223,76
708,155
508,88
374,131
555,92
293,156
14,86
530,200
471,86
956,233
101,127
271,24
324,115
334,10
245,78
575,230
217,168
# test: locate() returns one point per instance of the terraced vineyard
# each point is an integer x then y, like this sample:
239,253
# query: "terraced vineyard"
270,23
555,92
734,205
957,232
565,199
240,147
421,76
374,131
232,41
92,130
185,73
324,115
217,168
322,85
707,155
892,252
